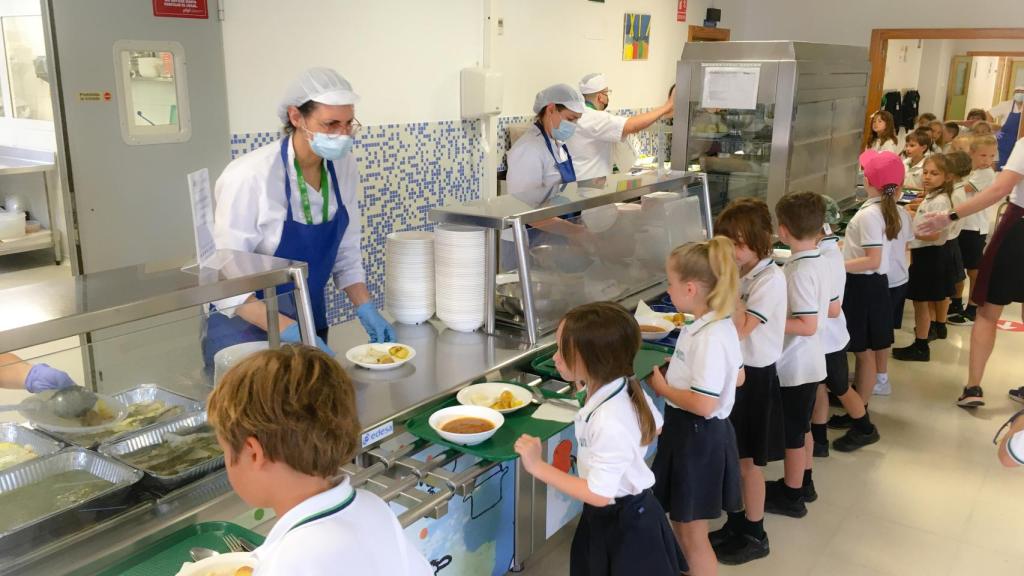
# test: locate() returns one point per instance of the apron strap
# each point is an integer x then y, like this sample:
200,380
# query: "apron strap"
547,142
287,180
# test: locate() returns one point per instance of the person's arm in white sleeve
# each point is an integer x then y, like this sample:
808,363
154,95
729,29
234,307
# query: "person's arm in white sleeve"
348,272
525,172
641,121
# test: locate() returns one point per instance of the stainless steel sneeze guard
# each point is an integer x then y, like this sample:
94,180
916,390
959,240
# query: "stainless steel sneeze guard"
91,302
510,212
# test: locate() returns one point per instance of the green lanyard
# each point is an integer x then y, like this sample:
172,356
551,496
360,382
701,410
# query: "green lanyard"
304,195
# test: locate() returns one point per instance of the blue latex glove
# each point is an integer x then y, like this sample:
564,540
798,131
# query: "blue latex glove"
42,377
291,335
375,325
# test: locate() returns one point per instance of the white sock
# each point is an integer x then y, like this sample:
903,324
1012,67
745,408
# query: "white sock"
882,377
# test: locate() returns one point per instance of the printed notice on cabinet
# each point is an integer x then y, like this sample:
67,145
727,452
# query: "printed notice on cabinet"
730,87
202,218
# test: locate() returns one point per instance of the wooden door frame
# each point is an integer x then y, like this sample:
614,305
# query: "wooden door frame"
880,40
949,81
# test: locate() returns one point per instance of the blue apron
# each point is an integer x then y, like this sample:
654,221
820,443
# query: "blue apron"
565,169
315,244
1007,137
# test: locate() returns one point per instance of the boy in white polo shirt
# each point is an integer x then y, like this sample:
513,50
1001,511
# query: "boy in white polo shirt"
801,367
286,420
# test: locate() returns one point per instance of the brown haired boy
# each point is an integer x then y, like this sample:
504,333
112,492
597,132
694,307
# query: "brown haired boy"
287,421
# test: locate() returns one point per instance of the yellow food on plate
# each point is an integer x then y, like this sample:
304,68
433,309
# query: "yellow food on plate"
400,352
243,571
385,360
506,401
678,319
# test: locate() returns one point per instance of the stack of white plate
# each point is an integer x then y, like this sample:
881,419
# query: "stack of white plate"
409,276
459,254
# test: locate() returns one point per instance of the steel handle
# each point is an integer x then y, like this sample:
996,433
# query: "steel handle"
303,305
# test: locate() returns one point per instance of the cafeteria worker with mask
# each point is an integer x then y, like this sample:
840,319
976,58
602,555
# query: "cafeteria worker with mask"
296,198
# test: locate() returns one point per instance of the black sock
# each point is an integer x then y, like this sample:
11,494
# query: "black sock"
957,302
754,529
736,521
792,493
863,424
921,342
971,308
820,433
808,477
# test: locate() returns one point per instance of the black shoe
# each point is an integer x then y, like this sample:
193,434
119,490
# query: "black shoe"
839,422
721,537
810,494
912,353
972,397
1017,394
971,312
854,439
743,549
955,308
776,501
941,330
821,448
933,334
959,320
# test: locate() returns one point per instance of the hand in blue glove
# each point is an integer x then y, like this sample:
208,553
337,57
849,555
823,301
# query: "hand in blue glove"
375,325
291,335
42,377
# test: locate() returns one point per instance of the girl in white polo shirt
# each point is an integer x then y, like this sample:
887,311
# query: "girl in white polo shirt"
898,281
757,414
623,529
697,466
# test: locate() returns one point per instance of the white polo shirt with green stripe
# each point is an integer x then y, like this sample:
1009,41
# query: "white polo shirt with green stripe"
707,360
807,294
867,230
763,291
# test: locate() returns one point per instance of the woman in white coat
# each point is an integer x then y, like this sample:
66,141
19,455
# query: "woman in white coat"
296,199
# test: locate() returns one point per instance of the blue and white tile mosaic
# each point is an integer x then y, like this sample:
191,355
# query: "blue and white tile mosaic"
645,142
405,170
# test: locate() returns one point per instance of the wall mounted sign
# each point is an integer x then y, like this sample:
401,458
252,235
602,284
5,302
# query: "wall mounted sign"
636,36
181,9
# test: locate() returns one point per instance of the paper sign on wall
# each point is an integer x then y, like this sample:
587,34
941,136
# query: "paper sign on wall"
202,217
681,11
181,9
730,87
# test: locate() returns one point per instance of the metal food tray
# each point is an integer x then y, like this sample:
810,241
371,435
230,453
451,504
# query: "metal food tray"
155,435
123,477
40,443
137,395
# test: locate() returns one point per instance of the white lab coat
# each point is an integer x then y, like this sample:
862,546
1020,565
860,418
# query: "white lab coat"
593,144
250,211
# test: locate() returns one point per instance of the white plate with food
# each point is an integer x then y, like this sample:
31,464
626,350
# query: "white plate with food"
382,356
505,398
232,564
655,328
466,425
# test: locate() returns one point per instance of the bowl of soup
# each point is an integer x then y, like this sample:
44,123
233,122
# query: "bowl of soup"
466,425
655,328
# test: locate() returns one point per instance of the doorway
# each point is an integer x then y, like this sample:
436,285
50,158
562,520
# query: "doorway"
951,70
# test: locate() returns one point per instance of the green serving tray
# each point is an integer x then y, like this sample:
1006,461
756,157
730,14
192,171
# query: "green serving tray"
649,356
497,448
165,556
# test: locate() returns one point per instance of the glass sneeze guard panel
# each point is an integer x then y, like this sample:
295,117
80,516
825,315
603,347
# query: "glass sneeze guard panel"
25,50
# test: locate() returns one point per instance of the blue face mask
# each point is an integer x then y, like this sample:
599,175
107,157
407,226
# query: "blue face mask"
1018,97
329,147
564,130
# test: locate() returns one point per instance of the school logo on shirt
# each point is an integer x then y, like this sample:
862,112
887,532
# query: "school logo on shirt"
679,354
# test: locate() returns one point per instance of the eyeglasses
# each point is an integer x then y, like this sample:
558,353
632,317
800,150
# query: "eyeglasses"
350,128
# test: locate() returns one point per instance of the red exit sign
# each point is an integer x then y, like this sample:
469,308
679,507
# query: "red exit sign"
181,9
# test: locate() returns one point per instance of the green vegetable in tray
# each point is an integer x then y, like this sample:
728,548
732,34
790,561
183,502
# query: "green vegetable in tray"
47,496
177,453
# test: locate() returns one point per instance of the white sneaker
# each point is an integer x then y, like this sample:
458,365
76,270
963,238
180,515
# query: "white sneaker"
883,388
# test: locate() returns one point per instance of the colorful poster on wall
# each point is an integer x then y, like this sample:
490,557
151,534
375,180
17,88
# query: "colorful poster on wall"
636,36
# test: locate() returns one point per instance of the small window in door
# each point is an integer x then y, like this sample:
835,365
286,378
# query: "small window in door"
152,92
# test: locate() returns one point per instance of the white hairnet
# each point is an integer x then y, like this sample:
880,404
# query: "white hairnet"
322,85
559,94
593,83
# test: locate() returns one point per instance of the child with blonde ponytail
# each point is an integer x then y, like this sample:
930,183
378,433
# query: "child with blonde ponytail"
696,468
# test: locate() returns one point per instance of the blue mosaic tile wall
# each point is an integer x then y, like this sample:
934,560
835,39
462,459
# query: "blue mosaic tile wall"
405,170
645,143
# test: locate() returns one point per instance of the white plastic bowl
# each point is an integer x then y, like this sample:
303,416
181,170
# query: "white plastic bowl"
487,393
445,415
666,325
226,359
220,564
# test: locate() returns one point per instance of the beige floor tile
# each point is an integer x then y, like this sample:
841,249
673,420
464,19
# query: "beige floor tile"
890,548
972,560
